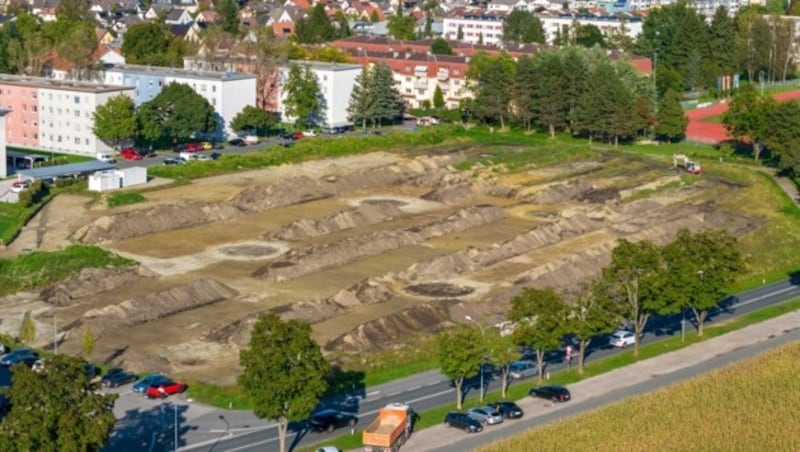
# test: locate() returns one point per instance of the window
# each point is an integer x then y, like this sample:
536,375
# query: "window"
35,108
214,102
408,79
77,99
59,111
213,88
24,134
77,113
150,83
59,139
86,140
77,140
35,136
160,83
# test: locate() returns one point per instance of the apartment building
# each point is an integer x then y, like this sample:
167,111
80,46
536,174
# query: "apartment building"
227,92
705,7
3,164
477,25
54,115
336,81
561,23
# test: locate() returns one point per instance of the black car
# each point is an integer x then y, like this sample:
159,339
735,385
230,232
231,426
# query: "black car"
237,142
328,420
215,155
288,136
20,355
552,393
509,410
117,377
174,161
179,148
463,421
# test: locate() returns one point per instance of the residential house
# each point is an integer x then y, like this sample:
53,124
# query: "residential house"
364,11
283,20
54,115
178,17
507,5
44,9
227,92
336,83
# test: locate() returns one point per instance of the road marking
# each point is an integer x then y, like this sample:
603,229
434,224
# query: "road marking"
759,298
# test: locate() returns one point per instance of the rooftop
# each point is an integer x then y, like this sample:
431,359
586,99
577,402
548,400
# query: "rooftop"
322,65
68,170
176,72
42,82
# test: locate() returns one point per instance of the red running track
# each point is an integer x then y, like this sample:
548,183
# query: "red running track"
709,132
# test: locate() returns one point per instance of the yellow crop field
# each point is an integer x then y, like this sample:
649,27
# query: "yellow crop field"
752,405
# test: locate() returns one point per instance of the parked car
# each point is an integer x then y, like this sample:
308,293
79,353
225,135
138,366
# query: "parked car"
105,157
117,377
463,421
3,349
309,133
179,148
297,135
509,410
287,143
251,139
150,380
202,157
486,415
622,339
20,185
287,136
164,389
20,355
193,147
130,154
215,155
237,142
328,420
328,449
146,153
522,369
207,145
551,393
173,161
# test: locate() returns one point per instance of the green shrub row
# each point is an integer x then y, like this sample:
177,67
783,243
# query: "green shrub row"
124,198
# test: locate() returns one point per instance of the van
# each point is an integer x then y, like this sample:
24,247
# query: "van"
105,157
522,369
188,156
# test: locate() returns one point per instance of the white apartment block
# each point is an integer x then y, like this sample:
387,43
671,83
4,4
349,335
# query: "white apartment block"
336,81
608,25
705,7
417,80
227,92
476,25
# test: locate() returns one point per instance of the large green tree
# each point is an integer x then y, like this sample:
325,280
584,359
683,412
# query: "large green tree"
522,26
502,351
783,136
524,91
284,371
672,120
228,11
315,28
151,43
589,36
541,316
115,121
254,119
700,267
747,116
401,26
461,351
549,100
438,98
176,114
721,33
56,409
440,46
303,101
494,76
637,271
593,312
361,98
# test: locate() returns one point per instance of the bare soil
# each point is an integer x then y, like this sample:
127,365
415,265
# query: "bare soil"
368,249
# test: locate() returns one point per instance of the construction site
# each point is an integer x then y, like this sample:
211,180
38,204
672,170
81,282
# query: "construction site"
368,249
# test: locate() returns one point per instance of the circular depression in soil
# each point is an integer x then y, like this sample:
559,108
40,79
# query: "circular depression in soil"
250,250
439,289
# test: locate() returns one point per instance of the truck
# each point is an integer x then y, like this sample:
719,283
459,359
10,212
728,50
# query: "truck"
681,160
390,429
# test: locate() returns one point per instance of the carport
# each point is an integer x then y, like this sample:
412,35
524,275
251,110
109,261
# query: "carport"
64,171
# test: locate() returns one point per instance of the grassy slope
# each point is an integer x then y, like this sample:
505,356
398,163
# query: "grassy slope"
746,406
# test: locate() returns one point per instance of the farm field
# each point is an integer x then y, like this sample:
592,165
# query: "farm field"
748,406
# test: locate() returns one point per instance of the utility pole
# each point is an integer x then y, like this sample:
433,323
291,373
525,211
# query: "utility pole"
55,334
483,361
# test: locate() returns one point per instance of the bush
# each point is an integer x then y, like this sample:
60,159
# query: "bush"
124,198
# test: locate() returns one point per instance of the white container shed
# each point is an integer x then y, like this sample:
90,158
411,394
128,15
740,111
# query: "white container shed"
118,178
135,175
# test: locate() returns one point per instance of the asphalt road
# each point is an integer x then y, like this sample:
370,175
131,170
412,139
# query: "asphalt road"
431,389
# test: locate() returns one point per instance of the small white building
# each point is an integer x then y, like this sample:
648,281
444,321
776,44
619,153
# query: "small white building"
117,178
336,81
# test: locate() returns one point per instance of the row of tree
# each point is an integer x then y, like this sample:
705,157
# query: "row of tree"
642,280
374,98
575,90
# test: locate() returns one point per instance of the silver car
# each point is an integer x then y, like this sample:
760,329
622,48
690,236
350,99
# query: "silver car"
486,415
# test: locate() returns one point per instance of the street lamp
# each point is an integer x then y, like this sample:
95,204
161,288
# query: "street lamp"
483,361
760,82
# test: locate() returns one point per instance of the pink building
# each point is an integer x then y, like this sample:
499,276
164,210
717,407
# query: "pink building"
22,126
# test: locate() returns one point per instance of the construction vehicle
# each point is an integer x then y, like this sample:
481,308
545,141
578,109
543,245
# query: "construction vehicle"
390,430
681,160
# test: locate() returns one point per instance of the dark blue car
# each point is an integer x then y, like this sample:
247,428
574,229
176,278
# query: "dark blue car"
150,380
20,355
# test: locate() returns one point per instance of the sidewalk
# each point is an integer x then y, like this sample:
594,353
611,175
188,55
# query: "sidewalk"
439,437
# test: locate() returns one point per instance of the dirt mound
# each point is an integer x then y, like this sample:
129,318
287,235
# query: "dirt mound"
450,194
160,218
563,192
237,332
303,261
378,333
91,281
365,214
158,305
439,290
600,195
285,193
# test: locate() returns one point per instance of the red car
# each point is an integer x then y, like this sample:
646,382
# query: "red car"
166,389
193,147
298,135
130,154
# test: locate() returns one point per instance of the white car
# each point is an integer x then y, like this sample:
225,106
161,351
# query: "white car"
309,133
201,157
251,139
486,415
622,339
20,185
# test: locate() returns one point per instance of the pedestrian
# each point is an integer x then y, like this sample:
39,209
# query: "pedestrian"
569,356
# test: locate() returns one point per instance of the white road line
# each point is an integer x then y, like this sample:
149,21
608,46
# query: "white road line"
369,394
759,298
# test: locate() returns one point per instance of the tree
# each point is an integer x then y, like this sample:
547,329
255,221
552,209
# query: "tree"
540,315
747,116
783,136
88,342
589,36
176,114
502,352
73,11
440,46
228,11
592,313
548,94
284,371
342,26
438,98
27,329
79,48
402,27
56,409
721,33
461,352
636,270
522,26
303,100
492,96
576,70
264,53
525,88
672,120
315,28
387,102
253,118
361,99
148,43
752,41
700,267
115,121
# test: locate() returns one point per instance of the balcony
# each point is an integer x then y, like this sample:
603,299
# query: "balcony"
443,74
421,84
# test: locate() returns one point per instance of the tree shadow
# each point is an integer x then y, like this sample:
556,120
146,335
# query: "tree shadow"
151,429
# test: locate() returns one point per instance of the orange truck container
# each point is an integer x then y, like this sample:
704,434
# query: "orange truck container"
390,430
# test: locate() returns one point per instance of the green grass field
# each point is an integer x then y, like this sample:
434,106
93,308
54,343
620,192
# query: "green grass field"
747,406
